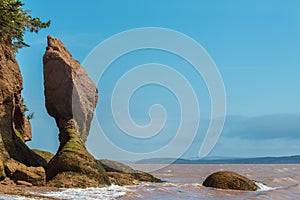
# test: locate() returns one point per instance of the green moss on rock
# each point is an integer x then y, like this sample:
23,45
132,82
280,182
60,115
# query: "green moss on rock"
72,158
44,154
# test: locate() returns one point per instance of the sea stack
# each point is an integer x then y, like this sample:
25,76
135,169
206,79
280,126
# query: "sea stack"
70,93
71,98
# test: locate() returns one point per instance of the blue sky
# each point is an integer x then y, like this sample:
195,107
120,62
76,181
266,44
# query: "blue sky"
255,45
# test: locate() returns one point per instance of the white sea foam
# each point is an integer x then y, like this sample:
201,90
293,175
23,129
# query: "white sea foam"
14,197
109,192
263,187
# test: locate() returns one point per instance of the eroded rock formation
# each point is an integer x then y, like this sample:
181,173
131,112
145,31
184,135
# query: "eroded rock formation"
71,98
69,92
14,127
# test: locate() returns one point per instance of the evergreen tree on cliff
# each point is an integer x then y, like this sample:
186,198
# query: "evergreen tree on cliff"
15,21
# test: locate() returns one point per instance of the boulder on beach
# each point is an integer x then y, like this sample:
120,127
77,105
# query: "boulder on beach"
20,172
229,180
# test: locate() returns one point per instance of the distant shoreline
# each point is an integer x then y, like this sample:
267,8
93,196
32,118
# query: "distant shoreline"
260,160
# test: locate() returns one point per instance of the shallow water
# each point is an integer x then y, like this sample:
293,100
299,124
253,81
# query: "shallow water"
185,182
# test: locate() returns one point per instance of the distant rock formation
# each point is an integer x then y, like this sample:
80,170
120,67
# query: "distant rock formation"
71,98
121,174
14,127
229,180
